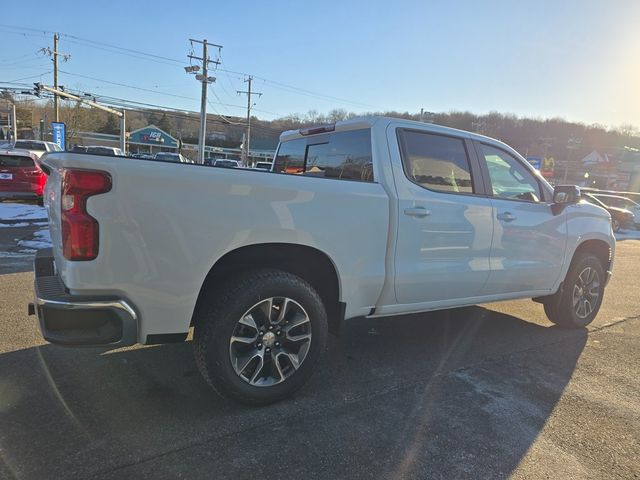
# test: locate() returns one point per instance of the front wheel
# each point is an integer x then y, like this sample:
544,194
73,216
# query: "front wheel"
578,303
258,339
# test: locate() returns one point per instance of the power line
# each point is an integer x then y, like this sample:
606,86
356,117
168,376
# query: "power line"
22,62
123,49
12,59
92,43
301,91
164,59
119,84
30,77
173,112
222,117
144,108
105,49
127,86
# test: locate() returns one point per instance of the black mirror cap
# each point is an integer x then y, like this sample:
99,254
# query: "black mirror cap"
566,194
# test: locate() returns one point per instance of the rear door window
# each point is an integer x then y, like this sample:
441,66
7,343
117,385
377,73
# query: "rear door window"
290,156
339,155
436,162
15,161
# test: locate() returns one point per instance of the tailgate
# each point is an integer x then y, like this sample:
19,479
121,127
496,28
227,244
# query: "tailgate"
22,177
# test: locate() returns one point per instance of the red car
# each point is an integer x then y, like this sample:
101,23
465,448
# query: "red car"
20,176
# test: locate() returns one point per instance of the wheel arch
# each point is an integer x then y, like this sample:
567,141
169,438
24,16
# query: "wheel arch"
601,249
596,246
309,263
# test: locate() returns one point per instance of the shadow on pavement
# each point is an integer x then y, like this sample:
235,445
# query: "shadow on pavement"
459,393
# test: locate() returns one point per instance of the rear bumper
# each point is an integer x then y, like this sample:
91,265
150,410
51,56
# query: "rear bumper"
67,319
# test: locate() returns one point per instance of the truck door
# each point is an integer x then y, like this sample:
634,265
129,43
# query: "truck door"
445,223
529,240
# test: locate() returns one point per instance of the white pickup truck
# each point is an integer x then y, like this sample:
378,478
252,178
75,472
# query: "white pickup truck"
368,217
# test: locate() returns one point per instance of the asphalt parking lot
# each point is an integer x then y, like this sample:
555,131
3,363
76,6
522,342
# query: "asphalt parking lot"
482,392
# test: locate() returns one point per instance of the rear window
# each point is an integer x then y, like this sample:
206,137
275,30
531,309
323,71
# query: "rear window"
339,155
30,145
101,150
226,163
167,157
15,161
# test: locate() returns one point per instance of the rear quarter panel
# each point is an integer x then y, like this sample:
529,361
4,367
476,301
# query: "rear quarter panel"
163,226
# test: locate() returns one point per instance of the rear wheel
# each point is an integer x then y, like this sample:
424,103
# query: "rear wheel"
258,339
578,303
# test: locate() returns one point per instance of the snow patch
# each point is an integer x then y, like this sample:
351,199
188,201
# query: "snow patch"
15,254
14,225
41,239
20,211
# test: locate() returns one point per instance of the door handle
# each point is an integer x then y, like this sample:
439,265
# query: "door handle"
417,212
506,217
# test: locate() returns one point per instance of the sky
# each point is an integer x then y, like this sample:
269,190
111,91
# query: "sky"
579,60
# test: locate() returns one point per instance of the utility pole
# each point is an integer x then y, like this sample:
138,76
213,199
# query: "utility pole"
123,132
14,122
54,58
247,140
56,102
205,80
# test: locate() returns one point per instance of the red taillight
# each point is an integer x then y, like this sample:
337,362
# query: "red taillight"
42,180
318,129
80,231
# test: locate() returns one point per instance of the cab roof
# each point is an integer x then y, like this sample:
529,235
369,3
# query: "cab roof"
371,120
19,153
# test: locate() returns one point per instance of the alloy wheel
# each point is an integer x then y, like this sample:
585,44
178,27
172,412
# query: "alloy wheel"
270,341
586,292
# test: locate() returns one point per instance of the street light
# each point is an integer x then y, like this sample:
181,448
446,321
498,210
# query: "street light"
200,77
192,68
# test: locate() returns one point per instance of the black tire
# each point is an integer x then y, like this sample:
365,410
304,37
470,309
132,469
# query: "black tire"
217,318
560,308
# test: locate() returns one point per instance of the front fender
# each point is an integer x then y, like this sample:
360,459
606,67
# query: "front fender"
586,222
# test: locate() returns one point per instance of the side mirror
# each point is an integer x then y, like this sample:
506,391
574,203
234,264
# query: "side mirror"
566,194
